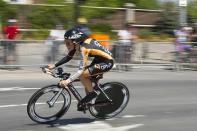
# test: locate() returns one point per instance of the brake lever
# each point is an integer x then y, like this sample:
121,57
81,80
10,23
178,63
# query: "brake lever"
47,71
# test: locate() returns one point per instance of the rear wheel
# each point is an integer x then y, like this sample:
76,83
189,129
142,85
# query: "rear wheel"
118,93
38,108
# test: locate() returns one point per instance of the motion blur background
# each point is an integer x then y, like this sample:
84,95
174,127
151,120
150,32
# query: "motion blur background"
153,43
152,27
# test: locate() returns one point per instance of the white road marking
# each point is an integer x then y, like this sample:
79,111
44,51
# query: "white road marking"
132,116
19,105
97,126
3,89
9,88
6,106
16,89
126,116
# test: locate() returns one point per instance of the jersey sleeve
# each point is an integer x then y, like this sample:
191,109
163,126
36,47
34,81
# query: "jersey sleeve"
82,64
66,58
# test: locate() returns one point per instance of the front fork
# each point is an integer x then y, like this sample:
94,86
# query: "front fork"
54,98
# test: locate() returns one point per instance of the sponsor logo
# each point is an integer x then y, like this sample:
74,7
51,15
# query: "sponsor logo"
103,67
100,46
76,36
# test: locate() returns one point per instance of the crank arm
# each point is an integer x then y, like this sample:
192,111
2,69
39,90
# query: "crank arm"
101,103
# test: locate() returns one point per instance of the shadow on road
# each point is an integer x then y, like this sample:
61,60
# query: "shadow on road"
62,122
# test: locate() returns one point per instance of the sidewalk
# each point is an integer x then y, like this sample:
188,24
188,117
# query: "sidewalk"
34,53
159,55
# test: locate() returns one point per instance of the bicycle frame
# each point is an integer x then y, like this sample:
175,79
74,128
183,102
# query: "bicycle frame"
73,90
76,94
101,107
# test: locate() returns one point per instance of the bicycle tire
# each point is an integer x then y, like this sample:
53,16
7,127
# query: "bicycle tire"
112,89
35,97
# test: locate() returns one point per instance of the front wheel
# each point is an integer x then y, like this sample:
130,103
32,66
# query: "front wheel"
39,108
118,93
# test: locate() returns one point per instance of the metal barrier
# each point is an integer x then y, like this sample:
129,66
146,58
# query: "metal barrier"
28,53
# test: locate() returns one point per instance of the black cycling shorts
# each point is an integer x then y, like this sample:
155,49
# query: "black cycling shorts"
100,65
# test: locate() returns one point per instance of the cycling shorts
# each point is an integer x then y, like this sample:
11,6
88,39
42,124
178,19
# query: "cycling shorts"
99,66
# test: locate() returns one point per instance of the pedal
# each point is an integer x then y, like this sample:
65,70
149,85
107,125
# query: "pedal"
82,108
84,111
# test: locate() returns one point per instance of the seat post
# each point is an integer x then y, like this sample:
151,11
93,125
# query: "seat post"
95,80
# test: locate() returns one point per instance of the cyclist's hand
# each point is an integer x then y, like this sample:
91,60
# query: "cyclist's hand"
51,66
64,83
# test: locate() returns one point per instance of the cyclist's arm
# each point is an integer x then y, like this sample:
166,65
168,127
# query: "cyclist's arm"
82,65
66,58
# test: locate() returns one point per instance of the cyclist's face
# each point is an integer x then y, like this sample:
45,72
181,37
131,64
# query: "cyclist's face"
69,44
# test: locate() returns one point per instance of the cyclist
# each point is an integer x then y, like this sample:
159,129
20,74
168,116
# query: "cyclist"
76,40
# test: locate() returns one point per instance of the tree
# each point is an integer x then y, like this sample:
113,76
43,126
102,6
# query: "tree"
99,13
6,11
169,19
192,9
48,17
147,4
51,1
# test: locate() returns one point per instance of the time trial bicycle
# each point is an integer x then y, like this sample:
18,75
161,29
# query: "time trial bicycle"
51,102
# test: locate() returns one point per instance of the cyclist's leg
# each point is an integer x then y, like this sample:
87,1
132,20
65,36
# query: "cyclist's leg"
97,68
94,69
87,83
85,80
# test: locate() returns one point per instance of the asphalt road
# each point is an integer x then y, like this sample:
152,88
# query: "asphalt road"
160,101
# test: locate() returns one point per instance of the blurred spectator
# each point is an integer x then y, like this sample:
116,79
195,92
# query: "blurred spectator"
10,31
1,34
193,56
182,37
124,47
1,47
194,36
56,37
82,25
183,48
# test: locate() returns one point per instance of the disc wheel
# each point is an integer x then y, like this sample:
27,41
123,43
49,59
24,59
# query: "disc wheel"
118,93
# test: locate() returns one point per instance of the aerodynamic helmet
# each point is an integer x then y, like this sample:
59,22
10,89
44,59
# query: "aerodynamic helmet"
75,35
